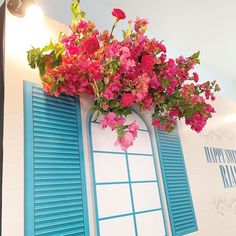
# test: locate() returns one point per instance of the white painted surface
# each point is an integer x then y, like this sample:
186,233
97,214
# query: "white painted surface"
146,197
142,144
141,168
110,167
119,226
113,200
213,203
146,221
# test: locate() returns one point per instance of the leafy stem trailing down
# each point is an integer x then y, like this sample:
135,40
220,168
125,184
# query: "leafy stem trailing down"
120,74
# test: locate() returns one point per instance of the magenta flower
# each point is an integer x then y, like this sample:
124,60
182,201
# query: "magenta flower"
147,63
118,13
90,45
121,73
127,100
126,141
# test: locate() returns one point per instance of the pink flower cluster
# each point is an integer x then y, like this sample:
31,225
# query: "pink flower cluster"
126,134
121,74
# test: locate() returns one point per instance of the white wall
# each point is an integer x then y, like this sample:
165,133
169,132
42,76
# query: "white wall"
19,38
215,206
206,183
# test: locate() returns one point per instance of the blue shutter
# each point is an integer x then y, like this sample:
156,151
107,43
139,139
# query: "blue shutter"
55,190
178,195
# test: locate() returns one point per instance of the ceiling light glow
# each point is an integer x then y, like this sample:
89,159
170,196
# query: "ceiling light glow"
34,14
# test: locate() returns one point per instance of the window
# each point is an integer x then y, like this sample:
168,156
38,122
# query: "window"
126,185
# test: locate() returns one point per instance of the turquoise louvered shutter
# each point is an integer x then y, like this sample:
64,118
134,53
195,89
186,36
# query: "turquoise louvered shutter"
178,195
55,190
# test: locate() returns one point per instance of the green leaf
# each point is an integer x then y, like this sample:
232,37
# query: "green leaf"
96,115
106,80
47,79
181,109
48,47
59,36
196,55
114,103
189,112
165,83
120,131
124,34
41,66
82,15
60,79
33,56
75,9
100,85
54,87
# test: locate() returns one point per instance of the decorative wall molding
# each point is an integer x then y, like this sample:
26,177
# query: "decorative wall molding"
219,132
224,206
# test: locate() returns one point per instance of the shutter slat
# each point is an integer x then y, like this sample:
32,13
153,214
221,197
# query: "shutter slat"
56,198
55,181
179,200
41,211
61,132
57,222
43,125
46,135
56,160
53,112
57,108
57,216
65,192
44,213
59,229
43,115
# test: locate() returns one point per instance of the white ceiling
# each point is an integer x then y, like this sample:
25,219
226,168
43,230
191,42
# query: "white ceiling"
189,25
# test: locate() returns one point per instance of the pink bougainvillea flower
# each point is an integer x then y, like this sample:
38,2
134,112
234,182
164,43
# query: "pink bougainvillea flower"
197,121
126,141
118,13
173,114
133,127
140,25
90,45
195,77
162,47
147,63
127,99
119,73
111,120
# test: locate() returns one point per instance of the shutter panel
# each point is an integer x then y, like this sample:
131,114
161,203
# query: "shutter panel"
55,190
178,195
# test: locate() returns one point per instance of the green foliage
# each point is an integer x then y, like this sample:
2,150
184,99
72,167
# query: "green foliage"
49,55
76,11
195,57
120,131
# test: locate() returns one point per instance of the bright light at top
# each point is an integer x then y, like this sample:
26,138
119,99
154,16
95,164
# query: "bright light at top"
34,14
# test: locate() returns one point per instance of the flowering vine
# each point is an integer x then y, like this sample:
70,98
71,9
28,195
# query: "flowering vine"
121,74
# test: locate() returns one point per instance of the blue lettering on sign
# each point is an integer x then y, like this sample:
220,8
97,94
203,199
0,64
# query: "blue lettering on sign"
226,158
